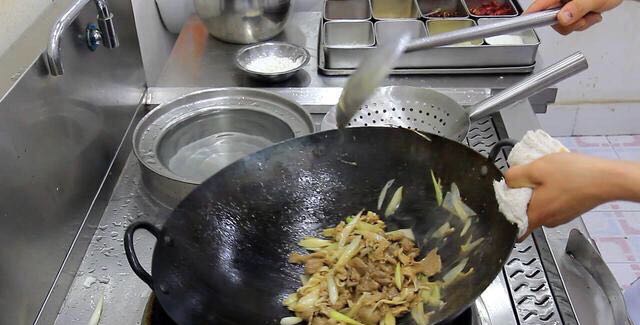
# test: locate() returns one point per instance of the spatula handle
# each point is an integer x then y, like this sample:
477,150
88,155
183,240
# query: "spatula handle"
506,26
531,85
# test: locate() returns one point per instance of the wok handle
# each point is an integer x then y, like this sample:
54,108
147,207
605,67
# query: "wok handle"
131,253
495,151
531,85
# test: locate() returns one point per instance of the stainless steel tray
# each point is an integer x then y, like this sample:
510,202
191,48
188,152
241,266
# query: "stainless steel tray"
476,59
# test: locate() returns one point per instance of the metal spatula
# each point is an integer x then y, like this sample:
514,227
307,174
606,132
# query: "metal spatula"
377,66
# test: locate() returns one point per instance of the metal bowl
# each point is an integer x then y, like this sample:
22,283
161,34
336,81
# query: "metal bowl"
248,56
244,21
181,143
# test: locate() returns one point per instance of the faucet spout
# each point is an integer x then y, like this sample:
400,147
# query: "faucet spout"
105,23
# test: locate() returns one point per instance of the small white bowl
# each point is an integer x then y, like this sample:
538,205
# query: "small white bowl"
247,55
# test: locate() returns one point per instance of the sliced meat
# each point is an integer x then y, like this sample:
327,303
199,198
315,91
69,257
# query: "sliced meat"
313,265
358,265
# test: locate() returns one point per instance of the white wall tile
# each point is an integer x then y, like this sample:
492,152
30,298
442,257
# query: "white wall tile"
16,16
592,119
559,120
625,273
613,51
608,119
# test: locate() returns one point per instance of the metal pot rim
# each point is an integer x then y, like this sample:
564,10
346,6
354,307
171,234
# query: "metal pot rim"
142,124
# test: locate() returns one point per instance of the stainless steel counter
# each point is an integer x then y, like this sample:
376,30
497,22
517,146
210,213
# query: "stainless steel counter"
554,284
200,61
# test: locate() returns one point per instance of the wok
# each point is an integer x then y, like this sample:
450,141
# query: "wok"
221,257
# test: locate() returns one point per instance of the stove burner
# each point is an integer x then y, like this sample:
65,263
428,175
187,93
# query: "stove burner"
155,315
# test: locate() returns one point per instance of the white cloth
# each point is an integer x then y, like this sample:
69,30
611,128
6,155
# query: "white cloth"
513,203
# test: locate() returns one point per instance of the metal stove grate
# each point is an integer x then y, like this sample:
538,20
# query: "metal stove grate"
529,287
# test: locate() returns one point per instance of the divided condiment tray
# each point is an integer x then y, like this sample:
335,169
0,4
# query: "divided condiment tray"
352,28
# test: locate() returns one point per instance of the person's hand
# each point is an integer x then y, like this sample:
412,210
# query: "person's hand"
565,185
576,15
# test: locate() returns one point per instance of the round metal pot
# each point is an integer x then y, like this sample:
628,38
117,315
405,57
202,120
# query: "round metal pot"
181,143
244,21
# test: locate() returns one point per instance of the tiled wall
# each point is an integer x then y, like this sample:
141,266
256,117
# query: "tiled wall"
611,47
615,226
605,99
16,16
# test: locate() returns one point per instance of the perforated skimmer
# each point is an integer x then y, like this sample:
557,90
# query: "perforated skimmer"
433,112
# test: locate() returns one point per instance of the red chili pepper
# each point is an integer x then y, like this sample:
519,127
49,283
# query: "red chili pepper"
493,8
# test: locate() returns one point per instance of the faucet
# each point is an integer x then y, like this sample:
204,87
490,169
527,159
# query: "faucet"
105,34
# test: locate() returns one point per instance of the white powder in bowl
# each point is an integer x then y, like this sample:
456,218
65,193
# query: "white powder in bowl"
505,40
272,64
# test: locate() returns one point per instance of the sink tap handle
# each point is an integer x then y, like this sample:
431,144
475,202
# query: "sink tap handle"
105,23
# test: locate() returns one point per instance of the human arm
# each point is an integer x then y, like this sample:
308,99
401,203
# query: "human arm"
575,15
566,185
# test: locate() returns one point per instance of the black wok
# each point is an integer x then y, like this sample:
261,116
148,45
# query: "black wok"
221,257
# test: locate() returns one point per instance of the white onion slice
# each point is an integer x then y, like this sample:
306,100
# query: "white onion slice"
455,271
95,317
393,205
290,320
467,224
332,289
383,193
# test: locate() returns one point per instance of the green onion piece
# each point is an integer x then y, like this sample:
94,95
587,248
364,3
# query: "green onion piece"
343,318
350,251
356,307
398,276
332,289
308,302
421,134
311,242
393,205
383,193
417,313
290,320
95,316
389,319
348,229
467,224
438,188
291,299
443,231
468,247
365,226
406,232
455,271
432,295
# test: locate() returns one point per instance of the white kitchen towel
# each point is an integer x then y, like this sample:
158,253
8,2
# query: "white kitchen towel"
513,203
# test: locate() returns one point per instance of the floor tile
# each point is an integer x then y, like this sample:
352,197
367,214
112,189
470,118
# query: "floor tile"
634,241
600,223
624,141
618,206
626,206
628,153
597,146
625,273
632,299
615,249
629,222
585,142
